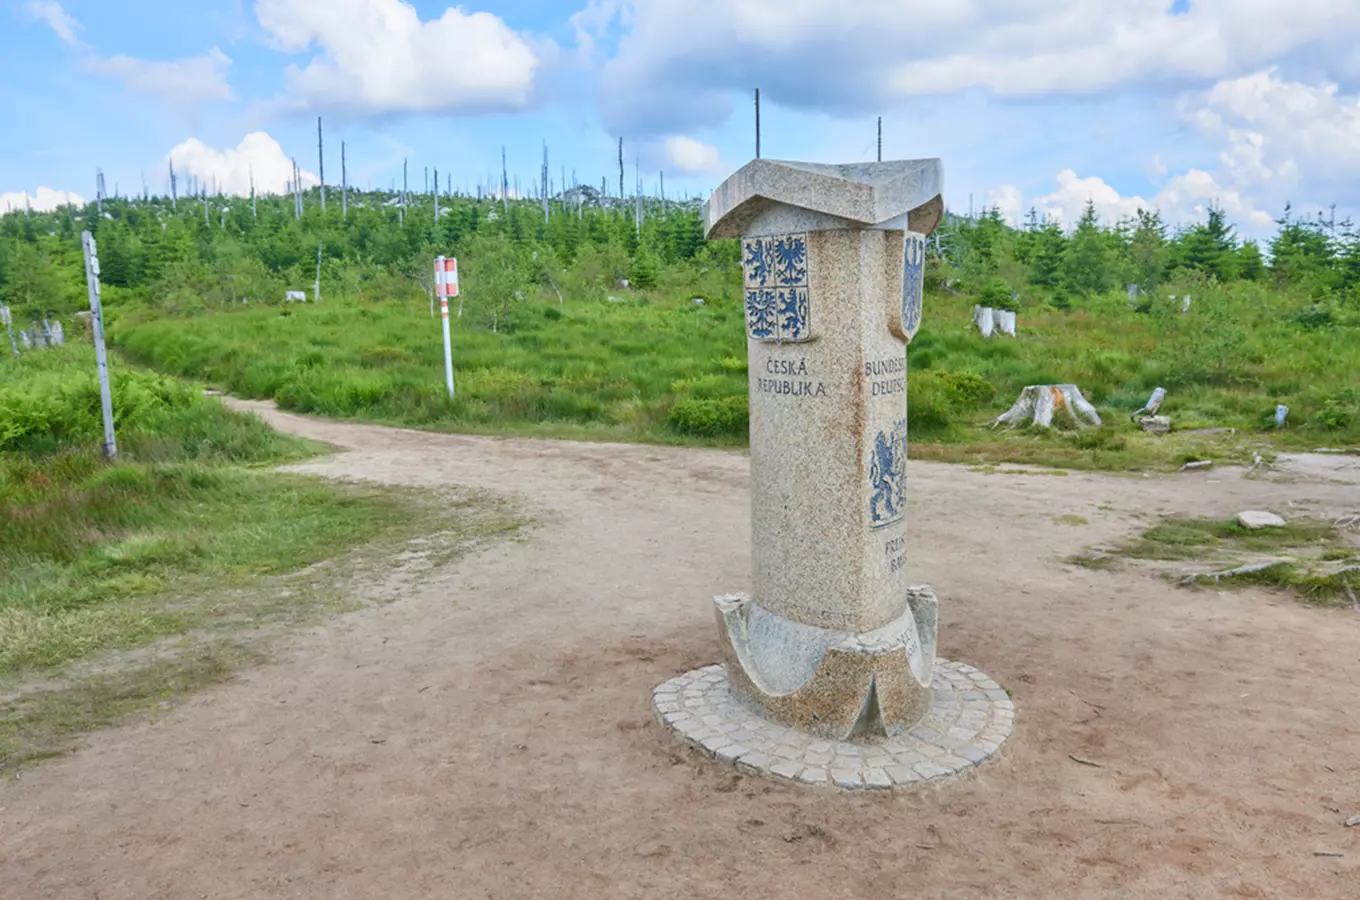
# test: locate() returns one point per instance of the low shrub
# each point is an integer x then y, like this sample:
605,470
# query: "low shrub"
727,417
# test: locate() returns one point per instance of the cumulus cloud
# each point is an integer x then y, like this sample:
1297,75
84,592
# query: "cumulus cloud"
1008,200
1187,197
1066,203
44,200
258,155
51,13
678,62
1282,136
691,156
181,84
1280,142
377,57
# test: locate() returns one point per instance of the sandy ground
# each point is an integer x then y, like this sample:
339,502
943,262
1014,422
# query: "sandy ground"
490,736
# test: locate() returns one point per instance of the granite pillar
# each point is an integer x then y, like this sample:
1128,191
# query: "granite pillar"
834,639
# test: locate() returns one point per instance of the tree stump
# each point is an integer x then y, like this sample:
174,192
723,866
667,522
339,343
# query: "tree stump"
984,317
1039,403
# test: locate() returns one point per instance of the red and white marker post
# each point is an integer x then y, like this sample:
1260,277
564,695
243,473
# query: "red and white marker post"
446,286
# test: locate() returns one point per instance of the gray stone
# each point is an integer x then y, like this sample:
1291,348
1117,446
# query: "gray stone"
833,260
847,778
877,778
1157,425
1254,520
731,753
902,775
783,753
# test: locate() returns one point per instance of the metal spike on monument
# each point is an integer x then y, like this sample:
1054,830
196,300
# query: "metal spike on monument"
829,672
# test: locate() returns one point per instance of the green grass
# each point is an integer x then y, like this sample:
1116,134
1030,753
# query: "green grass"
658,368
1187,538
127,583
84,555
1311,549
1327,589
590,369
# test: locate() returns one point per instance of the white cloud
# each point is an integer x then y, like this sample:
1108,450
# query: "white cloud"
1281,142
691,156
51,13
258,154
1282,136
1184,198
182,84
45,200
1067,203
377,57
679,61
1007,199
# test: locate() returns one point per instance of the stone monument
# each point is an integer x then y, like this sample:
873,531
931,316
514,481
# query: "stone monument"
829,668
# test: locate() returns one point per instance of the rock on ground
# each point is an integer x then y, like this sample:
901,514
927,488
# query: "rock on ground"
1253,520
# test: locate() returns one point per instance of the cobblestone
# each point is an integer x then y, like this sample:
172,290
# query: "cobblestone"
956,735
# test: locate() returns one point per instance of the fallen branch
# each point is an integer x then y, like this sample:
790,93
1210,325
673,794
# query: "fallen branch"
1084,762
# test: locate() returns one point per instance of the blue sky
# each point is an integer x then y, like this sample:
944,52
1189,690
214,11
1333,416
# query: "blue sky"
1047,103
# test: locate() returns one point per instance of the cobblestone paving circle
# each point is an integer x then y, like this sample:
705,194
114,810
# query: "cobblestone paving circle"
971,718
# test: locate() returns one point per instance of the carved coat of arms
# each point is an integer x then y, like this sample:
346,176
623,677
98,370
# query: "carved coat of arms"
913,282
888,476
776,286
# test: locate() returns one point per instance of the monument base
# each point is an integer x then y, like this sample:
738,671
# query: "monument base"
969,719
838,685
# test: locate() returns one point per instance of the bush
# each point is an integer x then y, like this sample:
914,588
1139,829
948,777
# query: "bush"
1312,317
930,408
727,417
996,293
967,390
1336,414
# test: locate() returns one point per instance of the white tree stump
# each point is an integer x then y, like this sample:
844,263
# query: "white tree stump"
984,317
1039,403
1005,320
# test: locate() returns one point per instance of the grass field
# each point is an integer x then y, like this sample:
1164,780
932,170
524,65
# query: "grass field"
179,547
658,367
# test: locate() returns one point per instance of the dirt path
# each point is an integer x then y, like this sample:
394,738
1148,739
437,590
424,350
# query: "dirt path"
490,735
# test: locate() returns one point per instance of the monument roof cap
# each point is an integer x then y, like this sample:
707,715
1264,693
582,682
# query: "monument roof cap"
865,195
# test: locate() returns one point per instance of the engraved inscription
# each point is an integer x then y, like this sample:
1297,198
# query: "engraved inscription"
896,552
791,380
886,376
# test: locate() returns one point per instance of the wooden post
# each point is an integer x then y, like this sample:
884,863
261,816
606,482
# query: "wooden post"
100,357
321,163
